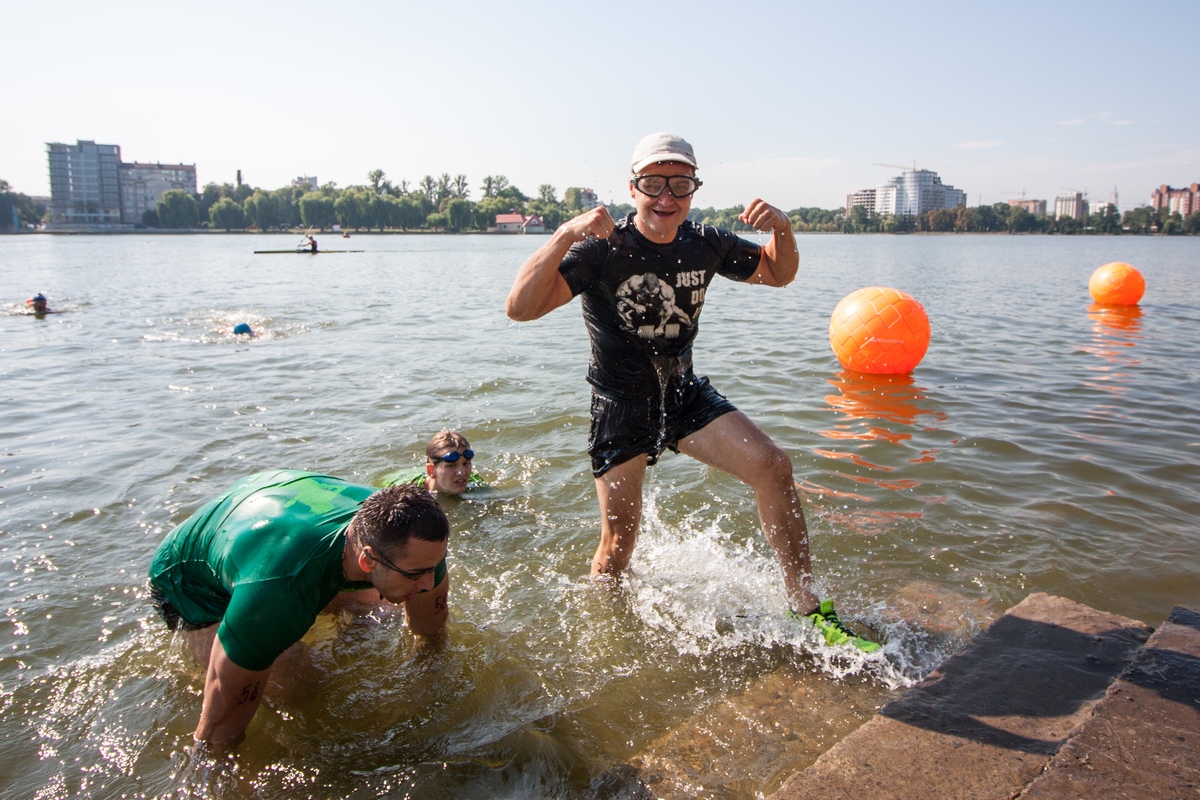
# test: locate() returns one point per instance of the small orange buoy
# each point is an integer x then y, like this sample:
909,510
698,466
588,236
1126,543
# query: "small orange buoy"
1117,284
880,331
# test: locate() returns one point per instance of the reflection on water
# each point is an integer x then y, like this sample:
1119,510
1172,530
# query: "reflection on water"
891,398
1116,330
873,412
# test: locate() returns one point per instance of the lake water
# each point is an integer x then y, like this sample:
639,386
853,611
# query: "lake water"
1042,445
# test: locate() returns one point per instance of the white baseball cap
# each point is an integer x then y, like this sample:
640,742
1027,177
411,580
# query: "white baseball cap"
662,147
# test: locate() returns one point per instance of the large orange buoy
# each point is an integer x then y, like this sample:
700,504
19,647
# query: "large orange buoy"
880,331
1117,284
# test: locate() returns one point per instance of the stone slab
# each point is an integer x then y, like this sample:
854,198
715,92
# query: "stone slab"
1143,739
742,743
985,723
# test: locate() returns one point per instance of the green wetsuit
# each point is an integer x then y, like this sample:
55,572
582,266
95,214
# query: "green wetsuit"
417,475
262,559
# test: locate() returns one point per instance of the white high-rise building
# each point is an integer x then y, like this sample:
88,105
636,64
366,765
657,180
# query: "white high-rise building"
914,192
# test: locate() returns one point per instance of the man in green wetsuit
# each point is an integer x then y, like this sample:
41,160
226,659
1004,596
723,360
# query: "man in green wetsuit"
247,574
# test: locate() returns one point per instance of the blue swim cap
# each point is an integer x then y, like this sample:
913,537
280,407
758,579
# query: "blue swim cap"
242,327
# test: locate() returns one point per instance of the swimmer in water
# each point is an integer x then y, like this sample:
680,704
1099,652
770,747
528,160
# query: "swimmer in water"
38,305
243,329
448,466
643,282
246,575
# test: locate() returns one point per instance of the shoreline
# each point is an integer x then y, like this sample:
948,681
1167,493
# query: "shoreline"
420,232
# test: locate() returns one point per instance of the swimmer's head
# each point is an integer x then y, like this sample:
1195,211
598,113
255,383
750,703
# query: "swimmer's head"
448,461
242,328
37,302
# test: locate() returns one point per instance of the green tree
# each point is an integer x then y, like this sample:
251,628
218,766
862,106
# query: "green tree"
411,213
28,212
858,219
1068,225
443,189
546,193
436,221
316,210
379,212
459,187
572,201
552,213
428,187
377,178
458,214
149,218
1191,223
350,209
261,210
177,209
226,213
485,211
620,210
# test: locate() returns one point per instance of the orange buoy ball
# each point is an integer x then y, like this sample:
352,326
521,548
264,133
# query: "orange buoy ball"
1117,284
880,331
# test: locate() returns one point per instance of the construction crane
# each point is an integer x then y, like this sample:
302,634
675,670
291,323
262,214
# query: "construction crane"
895,166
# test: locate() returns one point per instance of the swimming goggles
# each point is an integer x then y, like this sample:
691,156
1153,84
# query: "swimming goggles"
454,455
410,575
680,186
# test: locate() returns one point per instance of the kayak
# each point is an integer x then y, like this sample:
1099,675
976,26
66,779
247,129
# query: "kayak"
307,252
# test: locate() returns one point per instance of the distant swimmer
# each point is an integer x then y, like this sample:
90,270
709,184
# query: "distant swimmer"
246,575
38,305
448,468
242,328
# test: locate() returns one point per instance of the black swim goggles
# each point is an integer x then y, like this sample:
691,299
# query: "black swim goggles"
454,455
410,575
680,186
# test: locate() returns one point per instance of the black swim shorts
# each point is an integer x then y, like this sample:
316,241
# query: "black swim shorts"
623,429
170,614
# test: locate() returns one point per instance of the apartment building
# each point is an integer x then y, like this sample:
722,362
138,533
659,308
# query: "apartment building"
910,194
143,185
1176,201
1070,204
85,183
1035,207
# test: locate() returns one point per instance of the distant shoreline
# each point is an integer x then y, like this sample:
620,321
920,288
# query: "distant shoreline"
420,232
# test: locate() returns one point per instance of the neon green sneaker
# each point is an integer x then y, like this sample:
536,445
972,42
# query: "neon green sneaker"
825,619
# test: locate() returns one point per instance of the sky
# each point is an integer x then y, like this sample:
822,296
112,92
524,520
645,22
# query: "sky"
795,102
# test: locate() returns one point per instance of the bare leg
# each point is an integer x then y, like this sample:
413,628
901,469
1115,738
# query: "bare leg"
620,494
201,642
736,445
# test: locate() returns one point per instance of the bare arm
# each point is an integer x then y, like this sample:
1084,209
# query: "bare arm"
426,612
231,696
539,288
780,259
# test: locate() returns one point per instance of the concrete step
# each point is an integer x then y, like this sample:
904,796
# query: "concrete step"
1143,739
988,721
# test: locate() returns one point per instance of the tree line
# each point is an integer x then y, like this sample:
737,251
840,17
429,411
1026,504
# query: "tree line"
1005,218
28,212
444,204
